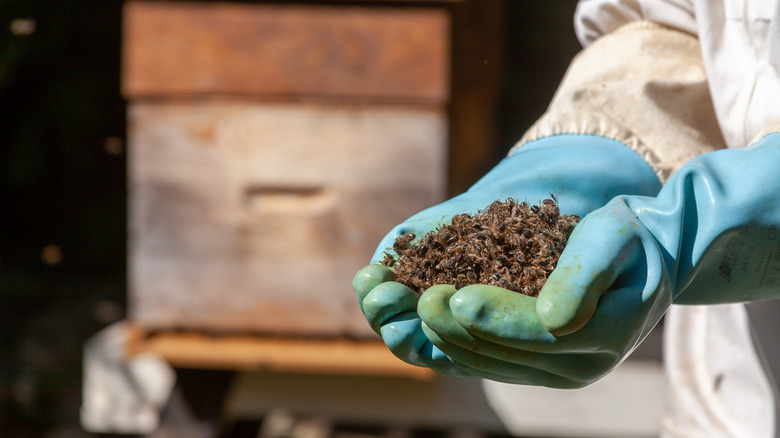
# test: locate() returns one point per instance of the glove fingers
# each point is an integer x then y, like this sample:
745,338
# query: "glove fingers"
433,307
495,369
434,310
436,360
501,316
438,319
619,323
387,300
404,337
601,247
533,377
368,278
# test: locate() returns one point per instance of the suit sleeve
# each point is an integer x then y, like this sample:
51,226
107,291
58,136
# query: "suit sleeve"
642,83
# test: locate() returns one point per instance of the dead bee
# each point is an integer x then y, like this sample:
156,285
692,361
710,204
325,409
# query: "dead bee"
516,241
388,261
508,244
458,219
402,241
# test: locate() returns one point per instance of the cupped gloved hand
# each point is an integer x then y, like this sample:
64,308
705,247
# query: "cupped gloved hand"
709,236
583,171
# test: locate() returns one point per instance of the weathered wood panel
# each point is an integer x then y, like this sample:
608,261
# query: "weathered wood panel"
285,50
249,352
255,217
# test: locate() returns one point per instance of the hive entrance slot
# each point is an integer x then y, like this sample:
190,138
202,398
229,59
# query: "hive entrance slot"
297,200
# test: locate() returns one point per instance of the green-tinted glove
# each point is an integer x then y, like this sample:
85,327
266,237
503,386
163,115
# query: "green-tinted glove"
710,236
583,171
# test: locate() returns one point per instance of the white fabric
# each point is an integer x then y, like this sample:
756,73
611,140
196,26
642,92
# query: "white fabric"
606,409
718,388
644,85
122,395
740,43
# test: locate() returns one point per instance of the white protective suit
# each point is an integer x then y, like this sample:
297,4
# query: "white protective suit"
673,79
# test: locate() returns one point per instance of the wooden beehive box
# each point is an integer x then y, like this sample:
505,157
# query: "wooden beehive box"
270,149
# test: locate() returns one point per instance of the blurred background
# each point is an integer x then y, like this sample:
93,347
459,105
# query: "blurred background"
72,73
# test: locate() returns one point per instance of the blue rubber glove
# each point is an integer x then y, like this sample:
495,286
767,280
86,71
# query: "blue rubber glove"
710,236
583,171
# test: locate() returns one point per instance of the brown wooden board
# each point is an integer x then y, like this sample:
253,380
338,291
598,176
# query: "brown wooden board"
259,353
254,217
181,48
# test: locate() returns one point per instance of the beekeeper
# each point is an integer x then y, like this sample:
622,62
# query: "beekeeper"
664,135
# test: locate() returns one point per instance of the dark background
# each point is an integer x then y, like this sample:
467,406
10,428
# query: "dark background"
62,204
63,184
